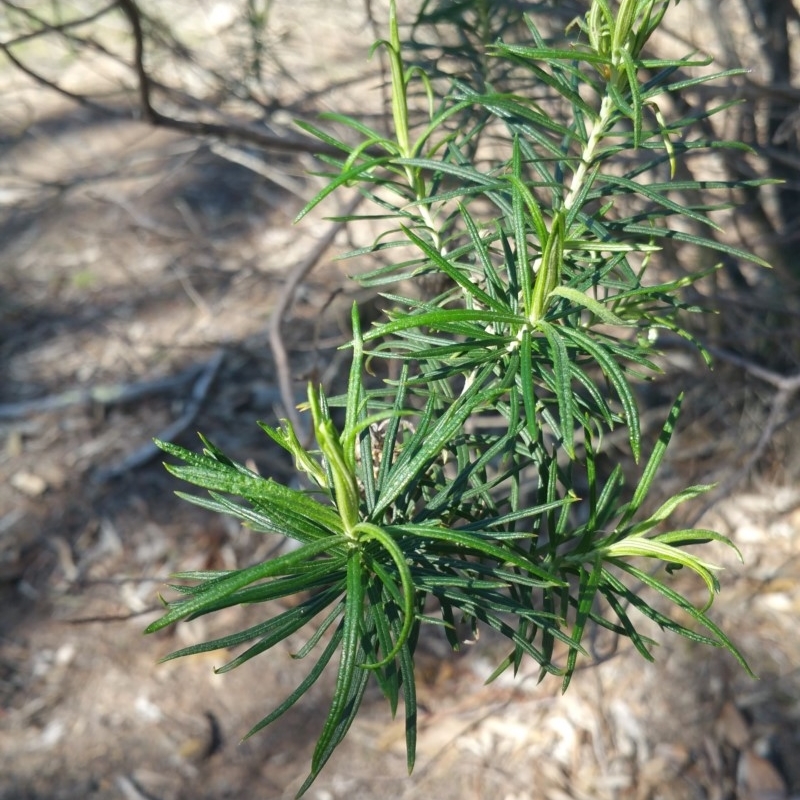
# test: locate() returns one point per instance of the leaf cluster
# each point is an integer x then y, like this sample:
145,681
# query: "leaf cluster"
467,488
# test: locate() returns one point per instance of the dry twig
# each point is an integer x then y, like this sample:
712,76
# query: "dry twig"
112,394
787,387
296,274
149,450
228,131
225,132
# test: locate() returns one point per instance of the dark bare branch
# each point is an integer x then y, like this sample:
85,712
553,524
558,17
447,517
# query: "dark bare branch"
41,80
45,27
226,132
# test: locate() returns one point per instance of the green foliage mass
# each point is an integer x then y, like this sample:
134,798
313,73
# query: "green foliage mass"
539,184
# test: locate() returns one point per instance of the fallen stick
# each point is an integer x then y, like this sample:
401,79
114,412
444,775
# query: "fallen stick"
102,395
149,450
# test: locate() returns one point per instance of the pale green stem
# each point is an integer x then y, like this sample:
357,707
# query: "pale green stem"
425,213
587,157
400,114
548,276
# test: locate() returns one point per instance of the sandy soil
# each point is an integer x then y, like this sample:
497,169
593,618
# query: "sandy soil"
130,254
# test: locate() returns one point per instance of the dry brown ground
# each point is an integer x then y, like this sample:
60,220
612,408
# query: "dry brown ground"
130,254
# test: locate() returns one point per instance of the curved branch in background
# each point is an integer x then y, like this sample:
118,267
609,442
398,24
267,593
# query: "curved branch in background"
227,131
46,27
194,127
5,47
131,11
295,276
786,386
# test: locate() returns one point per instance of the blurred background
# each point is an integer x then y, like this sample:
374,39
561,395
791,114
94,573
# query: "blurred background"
152,284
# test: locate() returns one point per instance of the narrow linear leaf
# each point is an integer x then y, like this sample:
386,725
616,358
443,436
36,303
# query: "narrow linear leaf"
612,371
241,578
653,463
562,375
302,688
348,676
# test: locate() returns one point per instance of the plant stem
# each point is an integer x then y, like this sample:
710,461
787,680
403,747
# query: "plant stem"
587,157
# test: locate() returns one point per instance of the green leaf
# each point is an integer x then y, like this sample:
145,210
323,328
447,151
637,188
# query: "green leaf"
562,375
666,509
650,548
612,370
449,319
240,578
482,546
719,640
521,261
700,241
408,468
378,613
302,688
332,616
526,384
210,474
653,463
410,703
589,581
631,73
355,173
368,531
350,680
454,272
657,193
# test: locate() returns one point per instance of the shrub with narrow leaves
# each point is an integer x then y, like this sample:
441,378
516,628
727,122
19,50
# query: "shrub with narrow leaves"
464,486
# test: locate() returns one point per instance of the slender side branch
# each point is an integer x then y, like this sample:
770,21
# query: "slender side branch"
196,128
295,276
41,80
227,131
46,27
149,450
787,387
